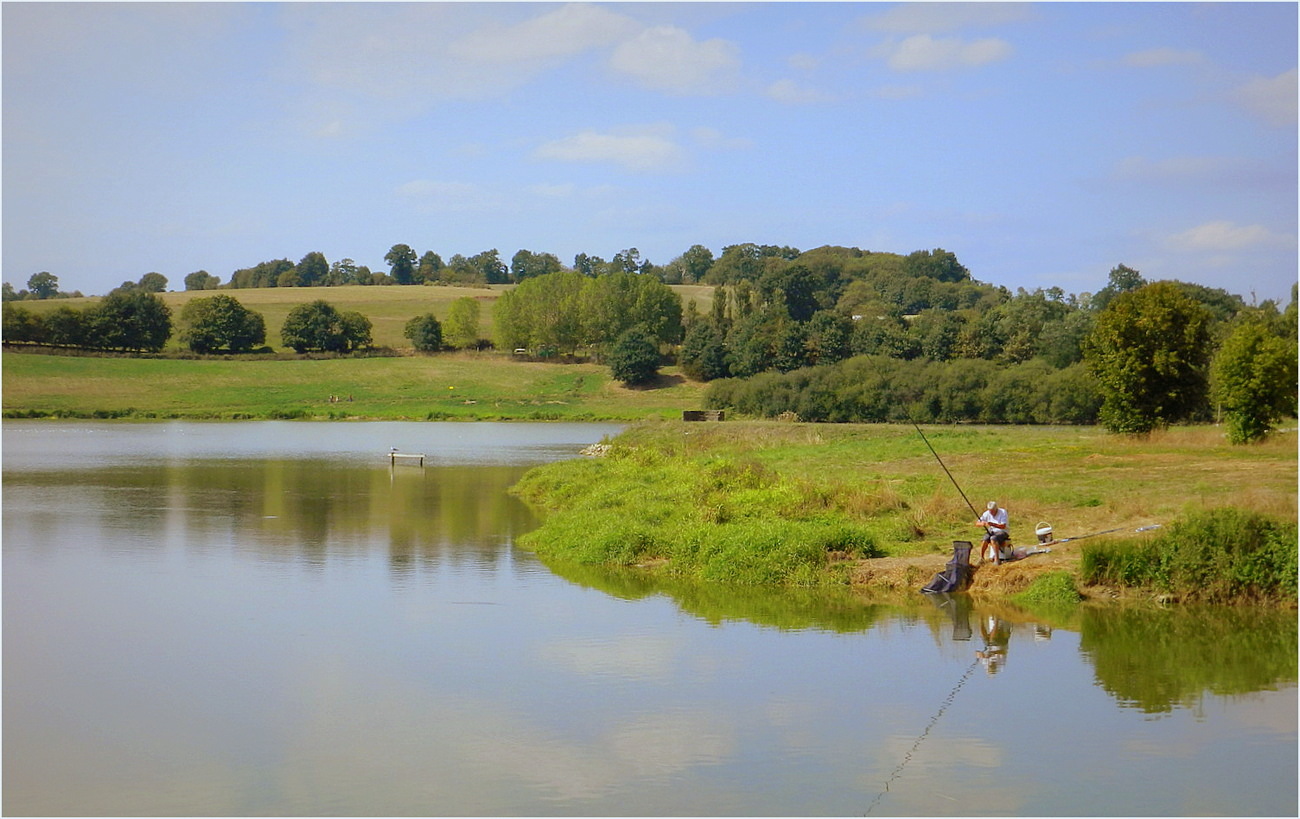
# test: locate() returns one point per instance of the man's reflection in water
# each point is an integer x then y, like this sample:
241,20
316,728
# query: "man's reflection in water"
997,635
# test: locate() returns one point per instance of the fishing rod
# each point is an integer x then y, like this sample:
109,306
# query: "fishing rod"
917,427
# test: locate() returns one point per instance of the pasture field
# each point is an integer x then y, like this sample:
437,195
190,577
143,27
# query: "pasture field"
388,308
466,385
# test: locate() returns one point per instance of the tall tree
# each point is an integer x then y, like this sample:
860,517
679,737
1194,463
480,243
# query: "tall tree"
153,283
1149,351
430,266
461,329
696,262
130,320
1254,380
43,285
220,323
425,333
313,270
318,325
201,280
401,263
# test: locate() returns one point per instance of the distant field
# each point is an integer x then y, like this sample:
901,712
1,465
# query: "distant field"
388,308
417,387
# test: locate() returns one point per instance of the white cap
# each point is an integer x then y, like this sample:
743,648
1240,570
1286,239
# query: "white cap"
993,505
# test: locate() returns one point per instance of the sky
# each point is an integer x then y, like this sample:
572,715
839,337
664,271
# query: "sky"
1043,144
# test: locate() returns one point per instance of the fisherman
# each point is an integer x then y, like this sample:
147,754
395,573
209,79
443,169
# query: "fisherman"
994,522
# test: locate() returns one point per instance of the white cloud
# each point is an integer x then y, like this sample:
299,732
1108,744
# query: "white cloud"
647,150
666,58
936,18
570,30
714,139
925,53
1272,99
1155,57
793,93
1221,236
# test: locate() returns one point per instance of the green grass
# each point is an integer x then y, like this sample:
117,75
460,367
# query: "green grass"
420,387
715,519
709,500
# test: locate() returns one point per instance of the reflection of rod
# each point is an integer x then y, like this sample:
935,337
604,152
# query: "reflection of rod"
907,757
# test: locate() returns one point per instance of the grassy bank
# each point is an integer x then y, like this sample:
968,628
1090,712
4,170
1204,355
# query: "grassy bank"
445,386
686,498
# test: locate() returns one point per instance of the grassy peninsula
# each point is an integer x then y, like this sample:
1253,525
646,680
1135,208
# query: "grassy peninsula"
803,504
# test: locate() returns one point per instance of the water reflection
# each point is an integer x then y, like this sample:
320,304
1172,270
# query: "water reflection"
231,631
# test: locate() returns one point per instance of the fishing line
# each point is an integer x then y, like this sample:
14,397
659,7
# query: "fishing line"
907,757
917,427
945,468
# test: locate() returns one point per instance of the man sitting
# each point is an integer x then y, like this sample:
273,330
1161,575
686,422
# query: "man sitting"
997,541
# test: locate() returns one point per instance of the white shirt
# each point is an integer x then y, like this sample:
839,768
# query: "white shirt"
998,518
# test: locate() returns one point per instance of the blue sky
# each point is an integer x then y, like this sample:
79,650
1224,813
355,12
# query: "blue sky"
1042,143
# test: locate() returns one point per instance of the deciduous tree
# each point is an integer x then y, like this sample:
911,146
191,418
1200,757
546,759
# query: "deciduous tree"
1254,380
425,333
1150,351
221,324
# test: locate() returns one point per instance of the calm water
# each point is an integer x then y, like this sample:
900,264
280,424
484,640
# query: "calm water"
266,618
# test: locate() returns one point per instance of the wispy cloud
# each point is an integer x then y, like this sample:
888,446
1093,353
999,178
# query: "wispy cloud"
1222,236
1271,99
794,93
648,150
667,58
922,52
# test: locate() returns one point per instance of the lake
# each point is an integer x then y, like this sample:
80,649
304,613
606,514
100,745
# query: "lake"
270,618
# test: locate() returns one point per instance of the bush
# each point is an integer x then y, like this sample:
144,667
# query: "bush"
635,357
1216,556
425,333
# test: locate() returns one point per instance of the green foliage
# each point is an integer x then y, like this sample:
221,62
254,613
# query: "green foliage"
711,518
21,326
1254,380
1215,556
634,358
43,285
153,283
566,310
704,355
881,389
221,323
1149,350
401,261
318,325
425,333
1054,590
461,329
201,280
134,320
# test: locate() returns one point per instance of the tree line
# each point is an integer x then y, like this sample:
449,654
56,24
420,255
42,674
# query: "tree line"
786,328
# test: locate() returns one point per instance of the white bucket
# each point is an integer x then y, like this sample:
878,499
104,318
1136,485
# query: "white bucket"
1044,532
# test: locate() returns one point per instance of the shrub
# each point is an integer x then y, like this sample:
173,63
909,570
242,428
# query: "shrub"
425,333
1215,556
